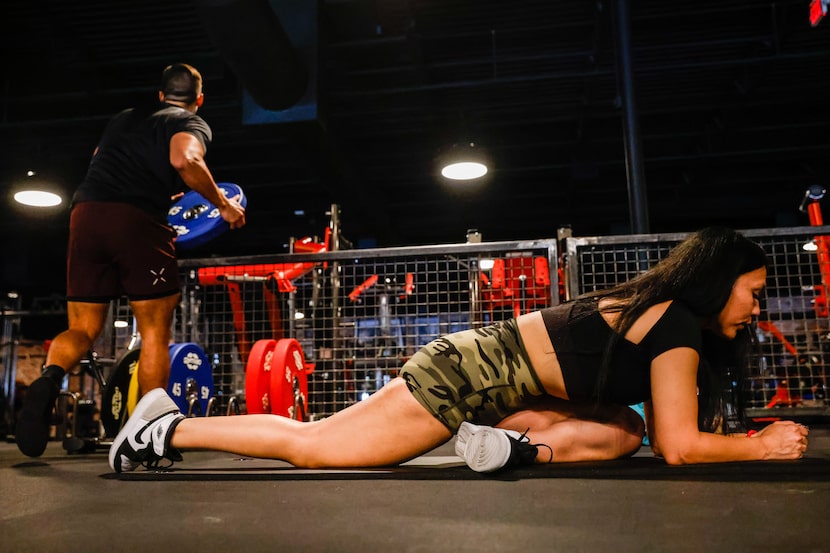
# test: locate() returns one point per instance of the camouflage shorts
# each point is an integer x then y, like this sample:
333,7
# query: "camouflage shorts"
478,375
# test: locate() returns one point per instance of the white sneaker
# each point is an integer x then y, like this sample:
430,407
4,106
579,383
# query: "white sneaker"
488,449
145,437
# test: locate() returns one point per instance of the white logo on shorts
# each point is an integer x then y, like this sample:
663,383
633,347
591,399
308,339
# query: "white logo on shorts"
158,276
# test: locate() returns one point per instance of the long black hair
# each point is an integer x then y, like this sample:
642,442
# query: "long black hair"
700,273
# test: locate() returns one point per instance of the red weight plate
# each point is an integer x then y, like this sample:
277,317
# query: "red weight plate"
258,377
289,363
300,406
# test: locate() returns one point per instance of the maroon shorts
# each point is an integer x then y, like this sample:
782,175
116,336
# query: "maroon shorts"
118,249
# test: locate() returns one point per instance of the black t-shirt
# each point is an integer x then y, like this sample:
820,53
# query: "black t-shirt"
132,164
580,337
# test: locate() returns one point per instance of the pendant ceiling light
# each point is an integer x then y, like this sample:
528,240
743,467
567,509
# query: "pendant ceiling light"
464,161
37,198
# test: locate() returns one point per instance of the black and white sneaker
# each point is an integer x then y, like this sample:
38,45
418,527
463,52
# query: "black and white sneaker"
488,449
145,438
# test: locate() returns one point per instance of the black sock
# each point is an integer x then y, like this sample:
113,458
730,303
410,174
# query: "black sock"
54,372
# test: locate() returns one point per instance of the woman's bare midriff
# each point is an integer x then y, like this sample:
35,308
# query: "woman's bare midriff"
540,353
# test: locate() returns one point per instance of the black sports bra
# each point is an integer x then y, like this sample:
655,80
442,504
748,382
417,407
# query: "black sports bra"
580,339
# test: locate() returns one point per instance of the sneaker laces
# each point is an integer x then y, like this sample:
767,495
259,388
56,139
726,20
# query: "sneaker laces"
523,450
154,464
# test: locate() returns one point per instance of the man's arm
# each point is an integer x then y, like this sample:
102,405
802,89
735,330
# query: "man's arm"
187,157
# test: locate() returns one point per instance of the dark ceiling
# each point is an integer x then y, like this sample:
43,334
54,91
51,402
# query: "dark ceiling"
730,96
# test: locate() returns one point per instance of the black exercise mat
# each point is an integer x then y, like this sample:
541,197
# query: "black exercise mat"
636,468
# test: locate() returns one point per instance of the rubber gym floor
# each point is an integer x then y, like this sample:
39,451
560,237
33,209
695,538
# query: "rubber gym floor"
220,502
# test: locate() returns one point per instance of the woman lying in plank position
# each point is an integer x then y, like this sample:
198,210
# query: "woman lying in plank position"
548,386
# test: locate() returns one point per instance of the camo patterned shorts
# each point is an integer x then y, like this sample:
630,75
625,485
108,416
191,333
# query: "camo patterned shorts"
478,375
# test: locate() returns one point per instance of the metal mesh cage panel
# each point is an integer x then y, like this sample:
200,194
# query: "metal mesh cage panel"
358,315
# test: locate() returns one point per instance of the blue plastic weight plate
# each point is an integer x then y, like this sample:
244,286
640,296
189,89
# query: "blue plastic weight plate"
191,376
196,220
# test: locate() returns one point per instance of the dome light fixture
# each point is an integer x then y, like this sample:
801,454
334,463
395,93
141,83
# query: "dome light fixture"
464,162
464,170
37,198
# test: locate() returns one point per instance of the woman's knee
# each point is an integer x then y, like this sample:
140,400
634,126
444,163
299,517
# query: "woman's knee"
633,428
633,422
625,430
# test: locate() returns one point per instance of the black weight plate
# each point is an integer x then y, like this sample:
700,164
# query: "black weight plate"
114,397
